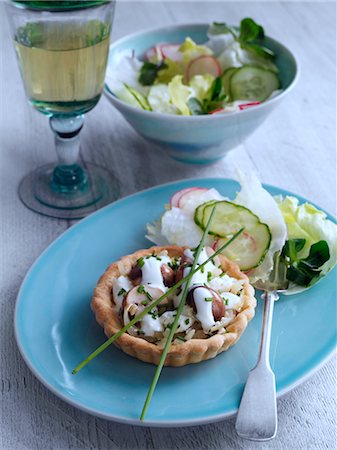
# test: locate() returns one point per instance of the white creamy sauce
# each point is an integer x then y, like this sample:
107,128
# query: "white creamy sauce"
151,272
119,284
204,308
151,325
199,277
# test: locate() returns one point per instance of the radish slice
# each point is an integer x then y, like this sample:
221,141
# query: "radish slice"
248,105
186,197
216,111
154,53
202,65
171,51
174,201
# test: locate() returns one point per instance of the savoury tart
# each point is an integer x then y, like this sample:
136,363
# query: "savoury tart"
219,305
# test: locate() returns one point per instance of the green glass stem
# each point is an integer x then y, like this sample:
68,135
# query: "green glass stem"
68,175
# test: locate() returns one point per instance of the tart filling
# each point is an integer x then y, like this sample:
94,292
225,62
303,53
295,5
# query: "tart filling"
220,302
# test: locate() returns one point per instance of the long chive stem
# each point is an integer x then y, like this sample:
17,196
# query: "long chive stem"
175,323
150,307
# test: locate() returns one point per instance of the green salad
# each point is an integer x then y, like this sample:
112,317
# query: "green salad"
230,72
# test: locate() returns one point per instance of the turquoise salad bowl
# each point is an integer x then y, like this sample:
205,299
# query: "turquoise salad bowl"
197,139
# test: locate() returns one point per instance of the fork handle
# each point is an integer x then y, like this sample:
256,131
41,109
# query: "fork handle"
269,298
257,416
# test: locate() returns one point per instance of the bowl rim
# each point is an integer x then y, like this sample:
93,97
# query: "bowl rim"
200,118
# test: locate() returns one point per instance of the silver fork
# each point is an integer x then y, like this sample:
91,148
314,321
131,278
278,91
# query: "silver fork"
257,416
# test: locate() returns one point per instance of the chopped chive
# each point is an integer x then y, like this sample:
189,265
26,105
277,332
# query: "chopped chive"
208,299
202,270
140,262
158,258
173,264
144,302
176,320
148,295
121,292
141,289
187,321
139,316
209,276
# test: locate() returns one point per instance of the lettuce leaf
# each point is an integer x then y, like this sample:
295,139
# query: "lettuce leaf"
159,99
220,36
190,50
179,94
125,73
201,85
172,69
307,222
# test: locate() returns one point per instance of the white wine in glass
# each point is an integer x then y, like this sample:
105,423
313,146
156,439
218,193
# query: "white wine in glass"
62,49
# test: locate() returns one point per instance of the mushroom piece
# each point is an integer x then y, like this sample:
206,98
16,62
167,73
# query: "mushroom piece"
135,275
137,299
168,275
218,305
184,262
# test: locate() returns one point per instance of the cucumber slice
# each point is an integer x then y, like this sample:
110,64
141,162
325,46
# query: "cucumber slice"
140,99
249,249
228,218
226,77
199,212
253,83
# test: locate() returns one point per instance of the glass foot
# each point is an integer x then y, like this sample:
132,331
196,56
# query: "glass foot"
37,193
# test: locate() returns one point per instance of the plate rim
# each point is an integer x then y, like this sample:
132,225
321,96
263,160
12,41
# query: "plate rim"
130,421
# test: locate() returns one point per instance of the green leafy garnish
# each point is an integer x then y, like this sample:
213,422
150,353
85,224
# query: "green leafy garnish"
208,299
216,96
251,38
304,271
149,72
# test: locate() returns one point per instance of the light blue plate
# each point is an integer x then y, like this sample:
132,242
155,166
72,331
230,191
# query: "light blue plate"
55,328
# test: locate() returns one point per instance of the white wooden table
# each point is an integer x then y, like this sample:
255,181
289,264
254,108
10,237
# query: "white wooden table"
294,149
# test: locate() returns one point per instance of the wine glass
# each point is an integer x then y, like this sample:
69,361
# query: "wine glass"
62,48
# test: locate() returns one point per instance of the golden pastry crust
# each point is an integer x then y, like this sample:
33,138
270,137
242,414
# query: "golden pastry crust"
191,351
